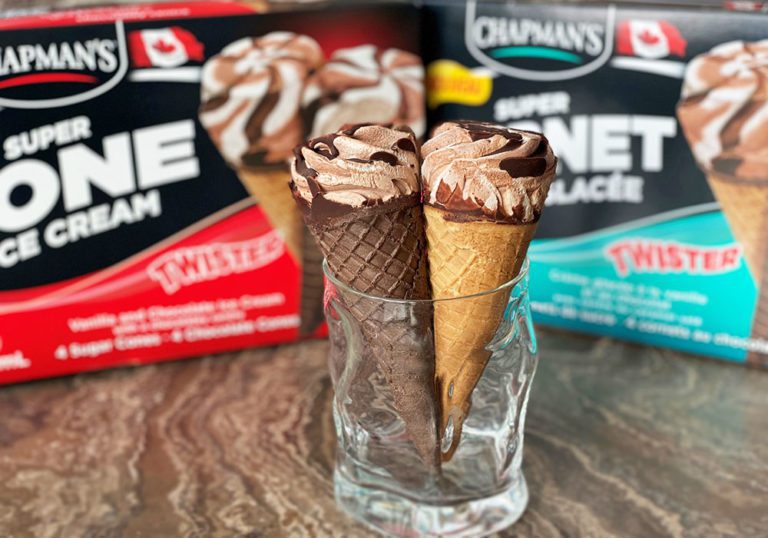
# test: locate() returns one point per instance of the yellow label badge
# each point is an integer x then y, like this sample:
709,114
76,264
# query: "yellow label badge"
451,82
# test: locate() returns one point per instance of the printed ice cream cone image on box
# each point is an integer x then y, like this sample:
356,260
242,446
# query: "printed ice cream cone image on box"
367,85
261,96
251,95
251,107
724,114
484,190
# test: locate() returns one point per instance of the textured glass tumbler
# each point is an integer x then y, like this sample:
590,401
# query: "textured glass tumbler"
382,363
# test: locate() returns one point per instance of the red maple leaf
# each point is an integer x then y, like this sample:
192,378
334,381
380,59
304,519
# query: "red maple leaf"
161,45
649,37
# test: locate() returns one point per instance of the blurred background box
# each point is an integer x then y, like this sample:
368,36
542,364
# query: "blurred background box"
125,237
633,243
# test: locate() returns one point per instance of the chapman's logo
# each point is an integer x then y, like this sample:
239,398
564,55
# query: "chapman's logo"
60,73
532,46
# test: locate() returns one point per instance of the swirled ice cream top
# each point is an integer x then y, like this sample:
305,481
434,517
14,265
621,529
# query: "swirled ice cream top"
724,109
360,165
367,84
477,170
251,97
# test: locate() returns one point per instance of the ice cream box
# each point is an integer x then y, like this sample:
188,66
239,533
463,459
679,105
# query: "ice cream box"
144,207
656,228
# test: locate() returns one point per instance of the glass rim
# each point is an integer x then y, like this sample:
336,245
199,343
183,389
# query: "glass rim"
509,285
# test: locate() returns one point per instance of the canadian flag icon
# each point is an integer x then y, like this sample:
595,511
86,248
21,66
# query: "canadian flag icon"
649,39
164,47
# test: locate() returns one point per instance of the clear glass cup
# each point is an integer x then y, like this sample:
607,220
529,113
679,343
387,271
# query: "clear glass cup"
382,478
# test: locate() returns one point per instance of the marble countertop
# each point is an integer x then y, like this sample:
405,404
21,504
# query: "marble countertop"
621,440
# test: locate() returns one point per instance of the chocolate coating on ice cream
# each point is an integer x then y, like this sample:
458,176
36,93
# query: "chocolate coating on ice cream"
251,97
360,165
483,171
724,109
367,84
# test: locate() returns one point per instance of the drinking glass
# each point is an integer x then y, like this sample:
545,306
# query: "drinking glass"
383,477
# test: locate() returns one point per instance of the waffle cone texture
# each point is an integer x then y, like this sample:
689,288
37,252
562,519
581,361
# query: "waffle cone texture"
270,189
745,206
381,251
468,258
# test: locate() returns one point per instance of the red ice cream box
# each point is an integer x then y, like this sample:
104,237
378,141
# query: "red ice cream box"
144,207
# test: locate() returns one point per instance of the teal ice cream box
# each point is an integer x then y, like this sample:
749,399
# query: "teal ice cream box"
656,227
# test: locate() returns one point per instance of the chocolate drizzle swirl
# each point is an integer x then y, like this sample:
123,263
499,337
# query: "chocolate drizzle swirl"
366,83
358,166
251,98
723,110
482,171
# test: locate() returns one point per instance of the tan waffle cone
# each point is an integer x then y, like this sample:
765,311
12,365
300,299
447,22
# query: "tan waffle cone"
381,251
745,207
271,190
466,258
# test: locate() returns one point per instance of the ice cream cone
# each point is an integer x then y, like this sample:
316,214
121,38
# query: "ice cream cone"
271,190
466,258
376,247
721,108
395,257
745,206
484,189
251,107
366,84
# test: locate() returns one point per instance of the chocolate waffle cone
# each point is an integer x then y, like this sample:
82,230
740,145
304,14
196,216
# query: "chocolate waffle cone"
312,285
745,206
467,258
381,251
270,188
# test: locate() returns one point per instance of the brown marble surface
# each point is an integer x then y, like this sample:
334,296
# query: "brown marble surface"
621,441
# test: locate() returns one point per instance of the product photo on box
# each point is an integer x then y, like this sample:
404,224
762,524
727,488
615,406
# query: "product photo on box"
656,112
